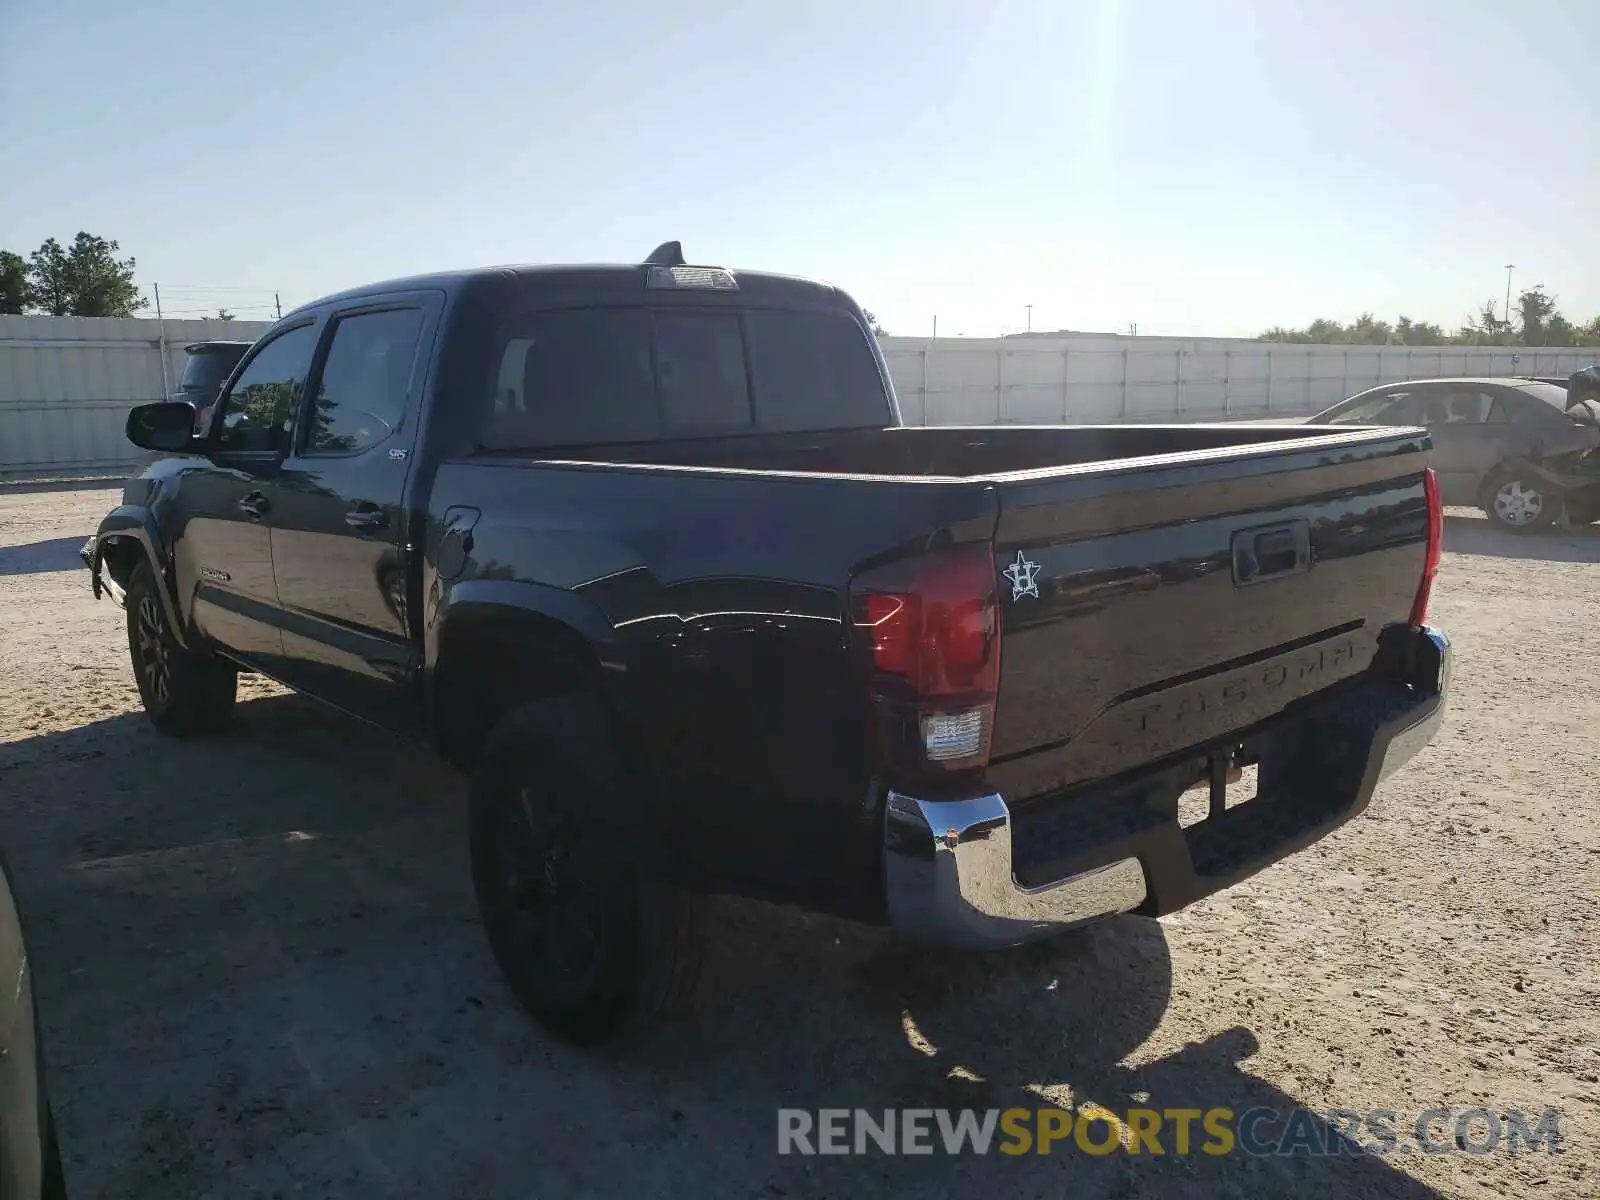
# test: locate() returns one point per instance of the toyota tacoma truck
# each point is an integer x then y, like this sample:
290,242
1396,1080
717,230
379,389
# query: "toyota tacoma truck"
648,549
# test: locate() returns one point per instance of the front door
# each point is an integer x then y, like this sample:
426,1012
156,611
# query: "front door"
223,554
340,546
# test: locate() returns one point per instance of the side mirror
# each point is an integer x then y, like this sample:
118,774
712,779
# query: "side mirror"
165,425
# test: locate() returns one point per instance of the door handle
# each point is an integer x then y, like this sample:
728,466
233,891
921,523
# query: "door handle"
255,505
366,516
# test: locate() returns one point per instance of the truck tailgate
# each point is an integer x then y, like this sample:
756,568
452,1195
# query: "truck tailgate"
1158,605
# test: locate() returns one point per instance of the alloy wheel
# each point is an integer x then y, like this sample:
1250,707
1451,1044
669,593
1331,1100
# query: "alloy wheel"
155,662
547,895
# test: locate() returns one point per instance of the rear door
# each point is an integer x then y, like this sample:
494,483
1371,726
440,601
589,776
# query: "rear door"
340,546
223,551
1469,427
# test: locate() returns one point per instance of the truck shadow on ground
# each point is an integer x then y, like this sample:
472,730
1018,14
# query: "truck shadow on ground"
36,558
1475,535
259,967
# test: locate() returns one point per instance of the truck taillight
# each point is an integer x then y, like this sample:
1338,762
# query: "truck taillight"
928,632
1430,565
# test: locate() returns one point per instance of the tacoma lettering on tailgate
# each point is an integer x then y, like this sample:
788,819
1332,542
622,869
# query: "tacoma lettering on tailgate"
1240,688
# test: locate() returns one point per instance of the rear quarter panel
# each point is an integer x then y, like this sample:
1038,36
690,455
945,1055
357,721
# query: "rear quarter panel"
724,598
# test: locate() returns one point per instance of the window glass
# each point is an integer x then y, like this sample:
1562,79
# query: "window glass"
1505,409
256,413
1464,406
583,376
366,377
1556,397
812,370
574,376
700,372
207,370
1383,409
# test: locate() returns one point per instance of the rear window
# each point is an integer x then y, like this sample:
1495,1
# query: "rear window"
1555,397
585,376
206,370
812,371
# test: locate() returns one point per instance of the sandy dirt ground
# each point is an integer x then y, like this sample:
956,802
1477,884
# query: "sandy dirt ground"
261,974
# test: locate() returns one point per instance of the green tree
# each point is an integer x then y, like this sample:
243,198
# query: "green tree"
1369,331
85,280
872,323
49,281
1534,309
1418,333
1484,328
1558,331
224,315
13,283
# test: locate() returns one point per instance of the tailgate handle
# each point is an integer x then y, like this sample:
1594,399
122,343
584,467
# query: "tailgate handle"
1271,552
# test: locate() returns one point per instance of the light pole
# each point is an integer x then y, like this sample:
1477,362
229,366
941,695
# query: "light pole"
1508,295
1029,307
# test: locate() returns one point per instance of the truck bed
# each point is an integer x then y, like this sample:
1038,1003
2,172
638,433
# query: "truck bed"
726,566
950,452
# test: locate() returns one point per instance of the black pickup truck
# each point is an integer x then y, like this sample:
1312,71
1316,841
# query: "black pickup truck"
648,549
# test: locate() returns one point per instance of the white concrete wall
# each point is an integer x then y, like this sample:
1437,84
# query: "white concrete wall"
1099,378
67,383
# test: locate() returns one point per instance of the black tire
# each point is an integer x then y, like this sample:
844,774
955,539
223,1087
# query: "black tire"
592,939
186,693
1520,502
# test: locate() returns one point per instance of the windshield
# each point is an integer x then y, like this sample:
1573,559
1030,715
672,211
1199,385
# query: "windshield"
1363,410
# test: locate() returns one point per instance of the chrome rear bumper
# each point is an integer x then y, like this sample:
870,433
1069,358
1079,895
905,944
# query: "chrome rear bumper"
951,869
950,880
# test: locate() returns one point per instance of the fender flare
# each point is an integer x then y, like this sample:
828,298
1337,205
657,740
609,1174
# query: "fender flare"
560,616
135,523
490,598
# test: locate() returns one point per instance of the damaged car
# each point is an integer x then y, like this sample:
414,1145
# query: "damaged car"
1525,451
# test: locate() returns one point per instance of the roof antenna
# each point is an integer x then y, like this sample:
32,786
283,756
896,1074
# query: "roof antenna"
668,254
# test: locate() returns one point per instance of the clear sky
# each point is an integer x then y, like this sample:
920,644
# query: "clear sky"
1194,166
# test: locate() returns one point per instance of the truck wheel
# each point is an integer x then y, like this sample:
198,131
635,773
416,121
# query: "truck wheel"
185,692
591,938
1520,503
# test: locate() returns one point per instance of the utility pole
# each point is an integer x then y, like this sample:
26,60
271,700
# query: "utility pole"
161,345
935,325
1508,295
1029,307
278,304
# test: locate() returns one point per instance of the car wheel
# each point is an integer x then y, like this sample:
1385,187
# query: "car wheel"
185,692
593,941
1521,504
